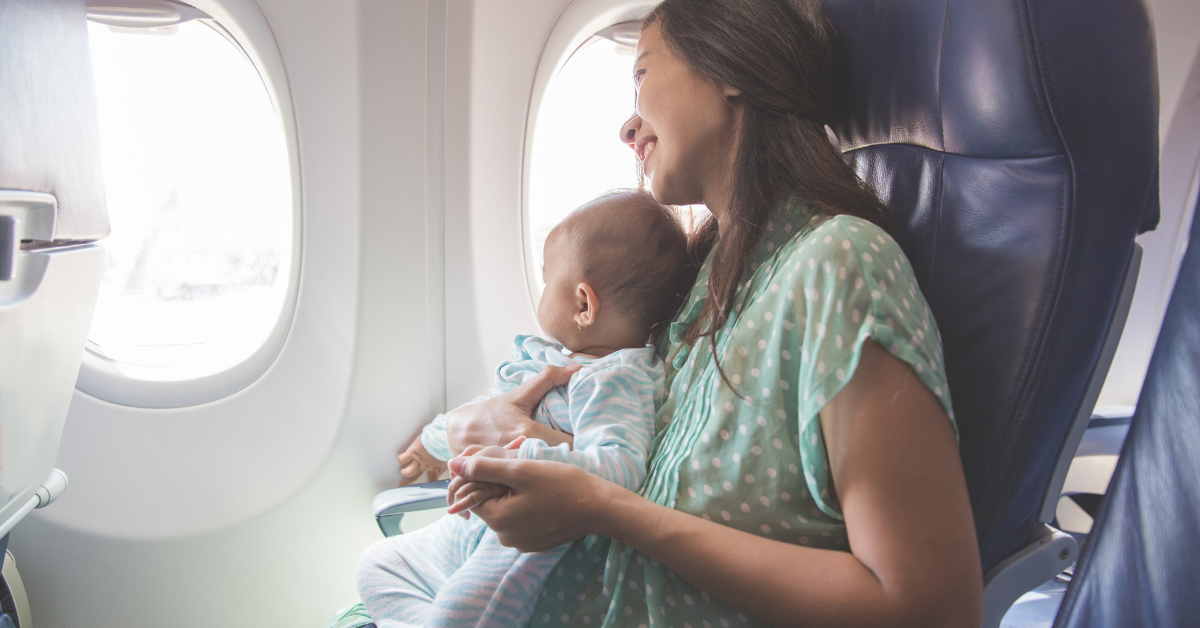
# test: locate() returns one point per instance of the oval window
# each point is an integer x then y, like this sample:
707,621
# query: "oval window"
199,192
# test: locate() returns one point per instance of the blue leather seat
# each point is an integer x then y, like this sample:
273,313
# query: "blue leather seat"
1141,563
1017,141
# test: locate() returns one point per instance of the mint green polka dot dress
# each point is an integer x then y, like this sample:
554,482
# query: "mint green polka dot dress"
753,457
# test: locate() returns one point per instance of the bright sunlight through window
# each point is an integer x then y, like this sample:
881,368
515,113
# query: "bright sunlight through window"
577,152
199,194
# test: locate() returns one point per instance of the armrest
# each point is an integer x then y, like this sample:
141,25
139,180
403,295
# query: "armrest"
1047,552
390,506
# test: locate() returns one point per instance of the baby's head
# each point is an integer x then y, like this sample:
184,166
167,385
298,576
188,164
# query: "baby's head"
614,269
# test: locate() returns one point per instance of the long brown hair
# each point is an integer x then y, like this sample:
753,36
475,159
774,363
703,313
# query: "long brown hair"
782,57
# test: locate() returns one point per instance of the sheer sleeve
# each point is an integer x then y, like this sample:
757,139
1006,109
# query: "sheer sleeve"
851,282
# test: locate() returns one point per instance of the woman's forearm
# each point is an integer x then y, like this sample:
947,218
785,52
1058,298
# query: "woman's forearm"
779,583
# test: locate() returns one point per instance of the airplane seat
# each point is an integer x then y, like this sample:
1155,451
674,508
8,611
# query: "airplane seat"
1017,142
1140,565
52,211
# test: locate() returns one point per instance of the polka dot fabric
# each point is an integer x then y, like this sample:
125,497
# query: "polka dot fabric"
752,456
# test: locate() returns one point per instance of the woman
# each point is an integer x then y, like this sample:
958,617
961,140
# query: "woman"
806,470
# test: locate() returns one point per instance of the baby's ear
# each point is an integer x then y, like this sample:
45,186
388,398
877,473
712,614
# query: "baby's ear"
587,304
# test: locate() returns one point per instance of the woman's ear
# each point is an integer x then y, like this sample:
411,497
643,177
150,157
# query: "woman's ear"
730,92
586,304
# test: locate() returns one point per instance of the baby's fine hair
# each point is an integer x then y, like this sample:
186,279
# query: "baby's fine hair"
634,252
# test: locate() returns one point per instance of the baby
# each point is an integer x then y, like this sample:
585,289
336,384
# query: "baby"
615,269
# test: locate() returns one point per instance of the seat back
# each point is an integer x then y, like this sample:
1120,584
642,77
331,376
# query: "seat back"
1017,141
1140,565
52,207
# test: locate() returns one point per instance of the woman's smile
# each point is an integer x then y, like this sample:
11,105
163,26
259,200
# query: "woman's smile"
644,148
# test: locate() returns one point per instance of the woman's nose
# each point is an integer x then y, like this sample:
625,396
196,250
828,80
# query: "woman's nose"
629,131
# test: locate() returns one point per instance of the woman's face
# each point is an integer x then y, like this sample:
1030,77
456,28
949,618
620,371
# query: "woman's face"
684,127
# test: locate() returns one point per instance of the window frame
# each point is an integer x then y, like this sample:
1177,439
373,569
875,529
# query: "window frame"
101,377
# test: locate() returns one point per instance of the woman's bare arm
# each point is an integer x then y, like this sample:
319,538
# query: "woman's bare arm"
895,462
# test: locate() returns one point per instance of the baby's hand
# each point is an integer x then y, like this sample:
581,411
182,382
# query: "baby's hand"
416,461
471,495
463,496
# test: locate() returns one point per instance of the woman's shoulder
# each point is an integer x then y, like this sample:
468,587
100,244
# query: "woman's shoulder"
835,235
844,247
854,266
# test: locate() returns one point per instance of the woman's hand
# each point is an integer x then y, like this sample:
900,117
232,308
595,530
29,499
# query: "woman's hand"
504,418
547,503
462,495
416,461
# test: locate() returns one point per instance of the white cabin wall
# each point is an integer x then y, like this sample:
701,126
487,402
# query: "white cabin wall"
399,341
487,299
1177,32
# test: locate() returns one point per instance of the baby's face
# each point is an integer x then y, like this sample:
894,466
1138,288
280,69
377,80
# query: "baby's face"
558,307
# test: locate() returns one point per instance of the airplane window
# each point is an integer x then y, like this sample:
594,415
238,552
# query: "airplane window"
199,194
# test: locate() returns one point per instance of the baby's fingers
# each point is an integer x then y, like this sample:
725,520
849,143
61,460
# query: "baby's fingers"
454,488
467,502
475,493
465,489
470,500
410,472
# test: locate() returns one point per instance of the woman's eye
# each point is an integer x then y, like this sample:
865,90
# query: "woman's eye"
637,77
